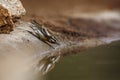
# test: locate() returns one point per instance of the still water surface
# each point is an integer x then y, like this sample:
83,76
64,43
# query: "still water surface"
101,63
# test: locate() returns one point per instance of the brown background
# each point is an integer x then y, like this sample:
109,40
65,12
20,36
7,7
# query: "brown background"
41,7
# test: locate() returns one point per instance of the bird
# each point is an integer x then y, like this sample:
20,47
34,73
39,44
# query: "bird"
43,34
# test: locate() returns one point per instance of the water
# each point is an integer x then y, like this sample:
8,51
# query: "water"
101,63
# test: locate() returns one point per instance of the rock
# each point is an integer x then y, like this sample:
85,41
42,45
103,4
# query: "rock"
23,56
14,7
9,11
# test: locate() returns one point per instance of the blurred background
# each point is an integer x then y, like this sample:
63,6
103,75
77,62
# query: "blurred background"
101,63
42,7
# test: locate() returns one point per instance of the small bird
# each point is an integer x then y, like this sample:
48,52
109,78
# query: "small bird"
42,33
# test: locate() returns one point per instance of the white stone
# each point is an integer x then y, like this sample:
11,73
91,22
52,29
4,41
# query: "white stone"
14,7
